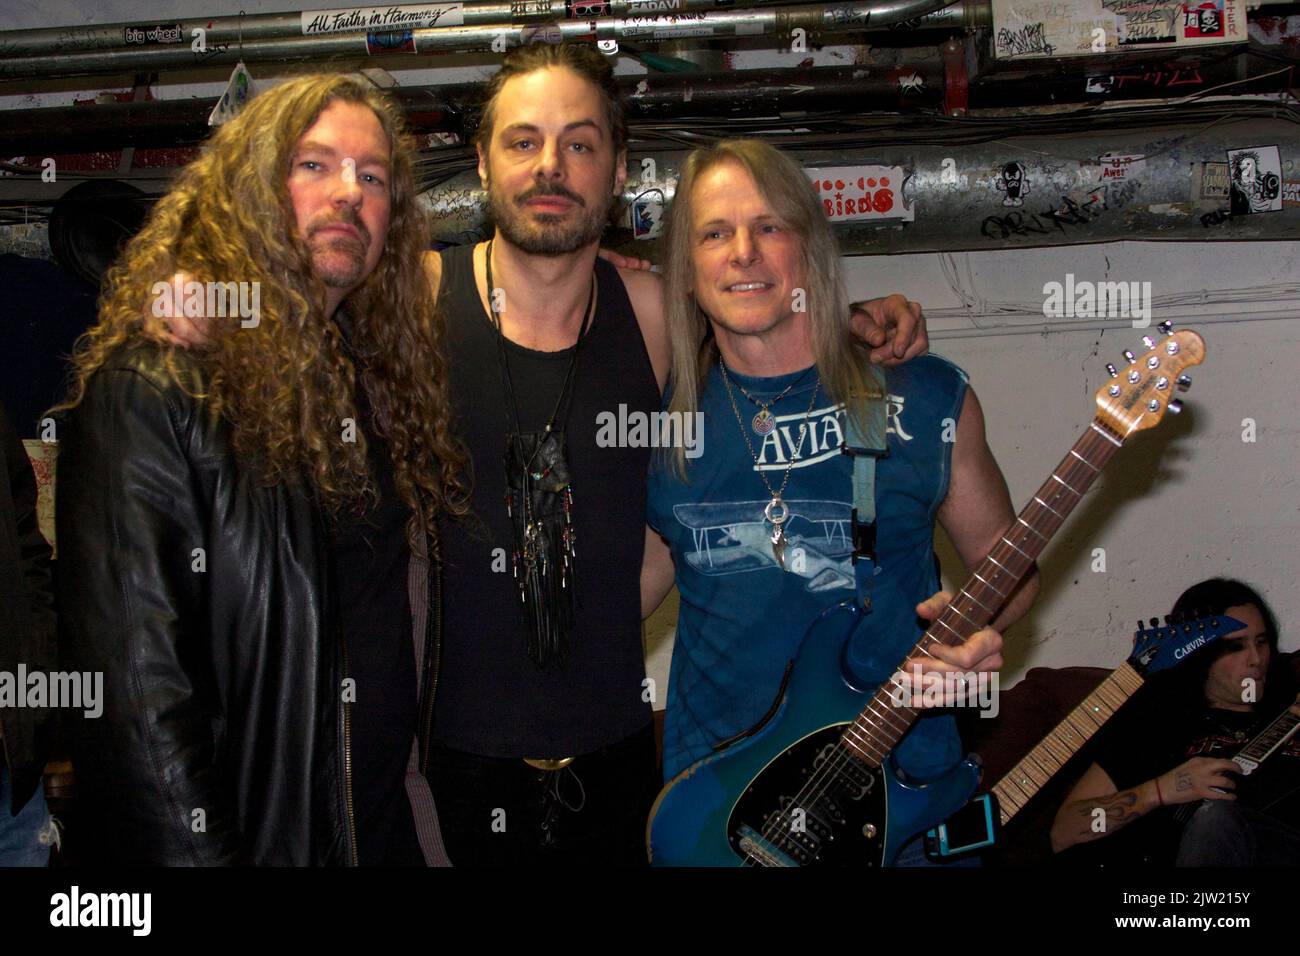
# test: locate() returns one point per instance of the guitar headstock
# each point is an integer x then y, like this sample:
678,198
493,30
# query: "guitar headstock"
1138,395
1157,648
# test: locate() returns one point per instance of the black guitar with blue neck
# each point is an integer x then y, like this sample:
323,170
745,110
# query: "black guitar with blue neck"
816,784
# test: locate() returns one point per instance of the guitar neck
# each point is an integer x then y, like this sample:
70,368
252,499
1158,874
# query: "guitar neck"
1282,729
1267,743
882,724
1052,753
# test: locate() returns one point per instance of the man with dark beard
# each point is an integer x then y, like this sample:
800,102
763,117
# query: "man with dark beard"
543,749
240,525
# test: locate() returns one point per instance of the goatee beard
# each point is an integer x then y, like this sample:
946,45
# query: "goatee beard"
540,233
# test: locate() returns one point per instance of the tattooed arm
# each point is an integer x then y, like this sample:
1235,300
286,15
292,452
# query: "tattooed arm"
1095,809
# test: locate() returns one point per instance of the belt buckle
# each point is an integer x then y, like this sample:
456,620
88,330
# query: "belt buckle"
548,764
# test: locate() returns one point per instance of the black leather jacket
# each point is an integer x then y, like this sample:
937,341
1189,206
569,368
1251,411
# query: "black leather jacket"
224,736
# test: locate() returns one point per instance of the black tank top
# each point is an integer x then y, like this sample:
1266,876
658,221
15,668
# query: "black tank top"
491,698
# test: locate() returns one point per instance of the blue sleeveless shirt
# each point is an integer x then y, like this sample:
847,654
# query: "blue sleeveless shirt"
742,618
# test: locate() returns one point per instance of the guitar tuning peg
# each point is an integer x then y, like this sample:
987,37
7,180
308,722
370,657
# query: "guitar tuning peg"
1149,342
1128,356
1169,619
1155,622
1112,370
1184,382
1175,407
1141,627
1165,327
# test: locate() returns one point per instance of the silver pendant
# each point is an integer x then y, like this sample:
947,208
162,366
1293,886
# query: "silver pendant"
763,422
776,512
532,536
778,545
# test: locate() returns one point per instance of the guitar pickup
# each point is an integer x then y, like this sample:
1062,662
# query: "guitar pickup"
753,846
796,842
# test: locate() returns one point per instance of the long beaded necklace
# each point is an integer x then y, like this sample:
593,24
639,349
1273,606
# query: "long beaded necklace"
776,511
544,546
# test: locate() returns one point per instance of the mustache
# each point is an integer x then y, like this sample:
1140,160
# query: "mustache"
347,218
554,189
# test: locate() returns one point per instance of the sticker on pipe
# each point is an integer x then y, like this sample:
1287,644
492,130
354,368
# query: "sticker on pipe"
862,193
1256,180
379,19
153,34
647,212
1213,181
665,27
1025,29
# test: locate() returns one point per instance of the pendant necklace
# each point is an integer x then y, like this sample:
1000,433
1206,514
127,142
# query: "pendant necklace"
764,421
777,511
539,502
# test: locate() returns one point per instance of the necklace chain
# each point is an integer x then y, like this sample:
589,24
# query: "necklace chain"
505,362
776,495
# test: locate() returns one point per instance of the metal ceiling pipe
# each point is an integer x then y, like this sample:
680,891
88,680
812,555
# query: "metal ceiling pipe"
668,97
282,26
961,201
781,21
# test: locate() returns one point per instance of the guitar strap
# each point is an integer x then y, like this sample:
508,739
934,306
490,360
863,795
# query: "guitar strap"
865,442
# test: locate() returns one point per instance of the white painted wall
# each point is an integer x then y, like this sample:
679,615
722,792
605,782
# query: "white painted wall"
1183,501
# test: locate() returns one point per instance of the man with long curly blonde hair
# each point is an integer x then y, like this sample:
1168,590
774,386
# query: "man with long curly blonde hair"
241,524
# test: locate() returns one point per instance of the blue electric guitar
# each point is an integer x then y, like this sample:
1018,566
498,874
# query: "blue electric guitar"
815,782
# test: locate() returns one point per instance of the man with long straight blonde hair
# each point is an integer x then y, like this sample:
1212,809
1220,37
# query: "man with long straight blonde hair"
240,524
762,348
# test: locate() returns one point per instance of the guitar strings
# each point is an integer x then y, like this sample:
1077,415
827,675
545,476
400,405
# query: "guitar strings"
817,786
819,782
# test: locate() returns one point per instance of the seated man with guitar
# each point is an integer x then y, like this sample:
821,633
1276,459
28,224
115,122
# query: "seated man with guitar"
764,537
1225,722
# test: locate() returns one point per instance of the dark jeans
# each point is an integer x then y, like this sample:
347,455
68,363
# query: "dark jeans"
1221,833
497,812
24,839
